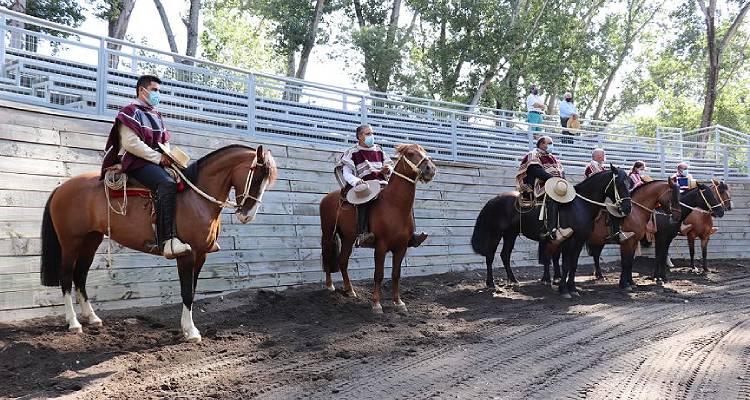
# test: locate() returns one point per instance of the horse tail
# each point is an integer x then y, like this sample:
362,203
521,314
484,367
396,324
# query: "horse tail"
51,250
330,241
487,228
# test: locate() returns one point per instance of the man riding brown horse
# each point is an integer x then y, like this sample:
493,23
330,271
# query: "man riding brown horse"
612,217
136,146
365,168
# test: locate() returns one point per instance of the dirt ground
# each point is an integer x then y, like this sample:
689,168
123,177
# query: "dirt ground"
687,339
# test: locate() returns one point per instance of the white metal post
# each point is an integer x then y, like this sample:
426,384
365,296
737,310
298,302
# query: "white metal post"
251,109
454,137
3,29
101,79
363,109
726,163
662,153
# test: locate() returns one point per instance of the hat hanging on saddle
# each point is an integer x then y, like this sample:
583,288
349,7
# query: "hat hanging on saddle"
559,190
646,178
175,154
612,208
363,192
692,183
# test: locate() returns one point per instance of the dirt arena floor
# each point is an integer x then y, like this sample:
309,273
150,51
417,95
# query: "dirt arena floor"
687,339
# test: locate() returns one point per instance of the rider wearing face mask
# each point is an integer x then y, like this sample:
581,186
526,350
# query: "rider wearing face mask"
363,163
682,176
133,148
538,166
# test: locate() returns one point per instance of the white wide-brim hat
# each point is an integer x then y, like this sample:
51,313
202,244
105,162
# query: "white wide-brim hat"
559,190
363,193
176,154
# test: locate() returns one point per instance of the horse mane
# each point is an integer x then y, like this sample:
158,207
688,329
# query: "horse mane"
192,171
584,185
636,190
404,147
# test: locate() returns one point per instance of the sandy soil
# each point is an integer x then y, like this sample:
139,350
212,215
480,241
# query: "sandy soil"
687,339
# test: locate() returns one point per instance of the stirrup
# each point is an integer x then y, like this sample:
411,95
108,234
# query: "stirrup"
214,247
623,236
560,234
365,240
174,248
417,239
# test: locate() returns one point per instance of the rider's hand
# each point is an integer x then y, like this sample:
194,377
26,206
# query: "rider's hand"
385,169
165,161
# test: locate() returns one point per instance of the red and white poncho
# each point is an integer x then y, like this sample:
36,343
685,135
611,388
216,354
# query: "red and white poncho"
364,163
593,168
537,157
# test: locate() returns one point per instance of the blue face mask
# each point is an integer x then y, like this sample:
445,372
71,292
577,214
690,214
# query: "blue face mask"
154,98
550,147
370,140
685,172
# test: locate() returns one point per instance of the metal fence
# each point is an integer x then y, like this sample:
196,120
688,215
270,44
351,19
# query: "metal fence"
56,66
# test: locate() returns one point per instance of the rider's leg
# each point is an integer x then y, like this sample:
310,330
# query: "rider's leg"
364,236
417,238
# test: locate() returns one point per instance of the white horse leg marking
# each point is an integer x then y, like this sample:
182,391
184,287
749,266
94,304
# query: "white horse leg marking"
87,311
188,328
70,314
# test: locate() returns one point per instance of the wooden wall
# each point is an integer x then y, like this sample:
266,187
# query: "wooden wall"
40,148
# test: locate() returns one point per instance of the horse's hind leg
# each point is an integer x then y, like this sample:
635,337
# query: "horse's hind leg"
596,252
67,265
86,254
489,259
704,253
508,242
346,251
691,247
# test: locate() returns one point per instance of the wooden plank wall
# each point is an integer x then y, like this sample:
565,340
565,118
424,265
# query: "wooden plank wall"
40,148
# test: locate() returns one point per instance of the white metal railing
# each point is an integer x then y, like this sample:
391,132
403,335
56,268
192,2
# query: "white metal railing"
56,66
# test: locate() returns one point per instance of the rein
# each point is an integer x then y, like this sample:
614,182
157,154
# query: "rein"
228,203
414,168
618,199
705,200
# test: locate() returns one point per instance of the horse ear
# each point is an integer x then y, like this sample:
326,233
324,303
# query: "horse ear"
260,154
613,168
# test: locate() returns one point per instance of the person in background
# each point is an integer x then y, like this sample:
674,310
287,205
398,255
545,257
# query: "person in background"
637,174
596,164
534,108
567,110
682,176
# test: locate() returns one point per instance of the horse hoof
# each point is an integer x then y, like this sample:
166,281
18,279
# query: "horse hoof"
556,281
490,285
575,294
193,336
377,308
95,321
566,296
331,288
75,327
400,307
350,293
600,277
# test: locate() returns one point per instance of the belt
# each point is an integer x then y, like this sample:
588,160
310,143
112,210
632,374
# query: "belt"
535,112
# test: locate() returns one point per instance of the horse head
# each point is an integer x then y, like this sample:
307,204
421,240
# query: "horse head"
419,165
619,191
250,180
721,190
706,199
671,197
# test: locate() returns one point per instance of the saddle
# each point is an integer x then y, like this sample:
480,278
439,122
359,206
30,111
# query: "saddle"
526,200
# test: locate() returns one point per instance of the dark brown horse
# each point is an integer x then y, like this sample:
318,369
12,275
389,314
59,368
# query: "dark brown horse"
657,197
75,220
390,220
703,223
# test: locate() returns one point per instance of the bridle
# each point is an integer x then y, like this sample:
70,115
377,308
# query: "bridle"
618,199
414,167
715,189
237,204
710,208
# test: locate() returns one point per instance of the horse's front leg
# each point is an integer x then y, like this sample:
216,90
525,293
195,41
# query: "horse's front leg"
186,267
378,279
398,256
691,247
704,253
346,252
570,257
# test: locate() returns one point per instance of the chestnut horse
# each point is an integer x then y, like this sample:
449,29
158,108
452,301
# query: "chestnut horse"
647,201
698,200
703,224
76,215
390,220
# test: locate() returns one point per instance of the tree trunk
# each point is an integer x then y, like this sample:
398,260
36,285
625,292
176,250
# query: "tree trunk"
117,28
167,27
712,71
608,83
486,82
384,76
310,40
192,27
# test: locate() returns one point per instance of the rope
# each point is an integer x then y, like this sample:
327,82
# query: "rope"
114,181
224,204
695,208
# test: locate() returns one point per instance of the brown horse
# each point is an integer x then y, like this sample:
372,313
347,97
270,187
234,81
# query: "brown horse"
390,220
703,223
647,201
76,215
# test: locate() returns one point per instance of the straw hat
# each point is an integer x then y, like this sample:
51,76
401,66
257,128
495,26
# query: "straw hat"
363,192
175,154
574,123
559,190
646,178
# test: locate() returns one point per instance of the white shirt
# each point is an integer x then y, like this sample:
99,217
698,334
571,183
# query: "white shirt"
530,103
131,143
567,109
